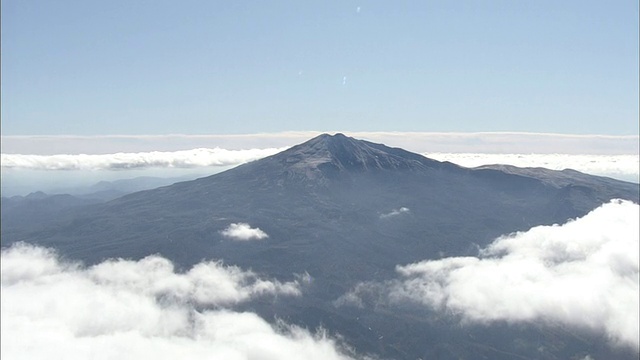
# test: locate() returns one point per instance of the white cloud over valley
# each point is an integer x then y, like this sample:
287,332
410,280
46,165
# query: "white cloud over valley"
142,310
583,273
243,232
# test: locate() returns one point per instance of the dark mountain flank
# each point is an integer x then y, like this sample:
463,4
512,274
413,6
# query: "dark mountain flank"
344,211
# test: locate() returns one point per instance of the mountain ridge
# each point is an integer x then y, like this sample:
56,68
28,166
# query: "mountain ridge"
347,153
326,157
318,177
345,211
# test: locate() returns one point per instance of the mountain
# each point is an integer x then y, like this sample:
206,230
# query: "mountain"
109,190
38,207
344,211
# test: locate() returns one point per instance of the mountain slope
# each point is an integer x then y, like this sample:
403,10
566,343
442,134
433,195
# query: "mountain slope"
340,209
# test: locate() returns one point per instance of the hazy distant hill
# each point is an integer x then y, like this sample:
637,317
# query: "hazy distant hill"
24,212
344,211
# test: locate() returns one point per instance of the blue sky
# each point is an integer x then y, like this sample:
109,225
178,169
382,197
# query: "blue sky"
231,67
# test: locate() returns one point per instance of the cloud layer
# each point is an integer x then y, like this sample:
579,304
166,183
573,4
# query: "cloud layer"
583,273
119,161
625,167
142,310
243,232
480,142
617,166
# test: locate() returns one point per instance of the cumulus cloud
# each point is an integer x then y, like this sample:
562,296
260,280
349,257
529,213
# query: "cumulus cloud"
394,212
142,310
155,159
624,167
583,273
243,232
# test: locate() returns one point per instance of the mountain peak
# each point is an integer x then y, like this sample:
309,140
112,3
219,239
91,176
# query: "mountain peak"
336,153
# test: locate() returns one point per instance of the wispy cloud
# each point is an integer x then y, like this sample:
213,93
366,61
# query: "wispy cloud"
583,273
142,309
243,232
394,212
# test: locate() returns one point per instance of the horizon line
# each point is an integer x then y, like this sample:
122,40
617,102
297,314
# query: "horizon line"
305,132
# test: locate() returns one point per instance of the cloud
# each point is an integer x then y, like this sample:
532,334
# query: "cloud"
583,273
506,142
207,283
243,232
142,310
420,142
123,161
394,212
624,167
608,155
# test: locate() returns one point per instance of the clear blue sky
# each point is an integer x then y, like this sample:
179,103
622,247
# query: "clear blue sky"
216,67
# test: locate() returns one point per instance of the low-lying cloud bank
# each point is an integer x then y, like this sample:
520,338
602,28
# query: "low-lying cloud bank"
624,167
143,309
243,232
583,273
122,161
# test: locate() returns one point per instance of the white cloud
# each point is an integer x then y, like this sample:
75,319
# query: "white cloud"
497,142
624,167
243,232
394,212
615,156
141,310
583,273
207,283
156,159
